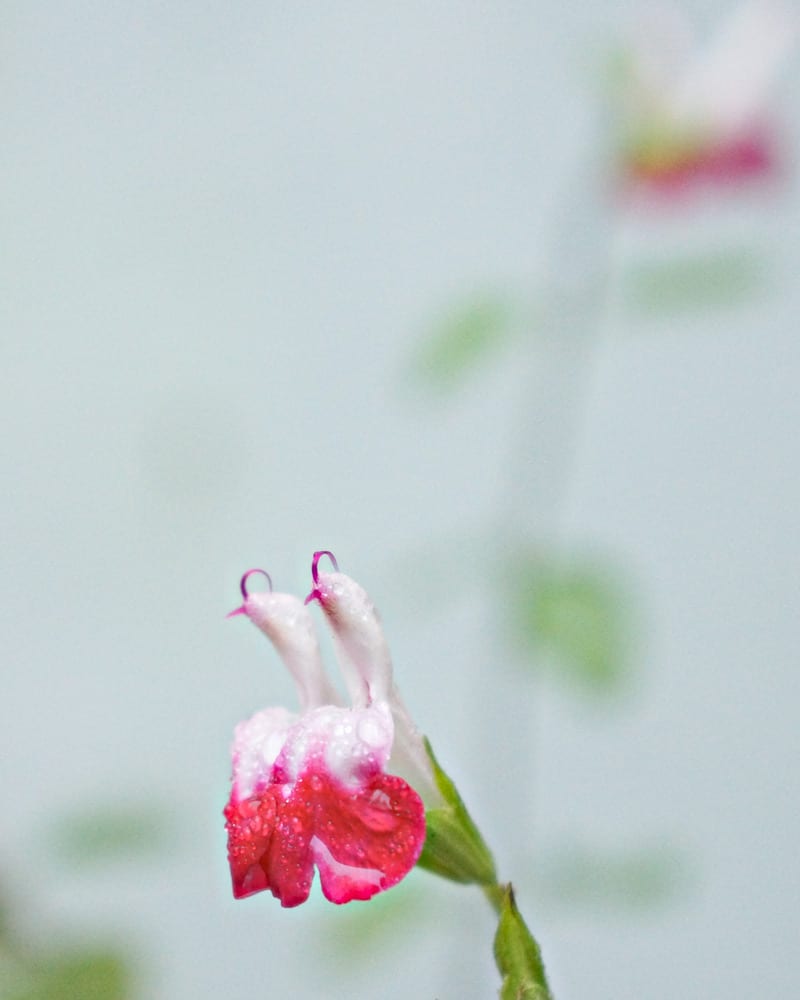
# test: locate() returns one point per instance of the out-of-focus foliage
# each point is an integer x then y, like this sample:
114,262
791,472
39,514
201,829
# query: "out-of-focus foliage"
722,278
575,616
80,976
624,878
111,833
469,334
68,971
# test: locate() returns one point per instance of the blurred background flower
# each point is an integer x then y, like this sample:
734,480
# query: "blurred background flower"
281,278
700,113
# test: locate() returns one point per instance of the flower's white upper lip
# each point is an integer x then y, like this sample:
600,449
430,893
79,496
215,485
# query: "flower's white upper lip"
358,638
288,624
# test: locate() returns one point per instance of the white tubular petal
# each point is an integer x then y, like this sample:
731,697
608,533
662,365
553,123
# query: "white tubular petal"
360,644
409,758
353,743
256,744
287,623
364,658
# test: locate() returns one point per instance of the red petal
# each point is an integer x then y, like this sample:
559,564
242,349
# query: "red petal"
362,841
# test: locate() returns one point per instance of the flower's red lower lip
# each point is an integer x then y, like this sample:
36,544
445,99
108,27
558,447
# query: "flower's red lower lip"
361,840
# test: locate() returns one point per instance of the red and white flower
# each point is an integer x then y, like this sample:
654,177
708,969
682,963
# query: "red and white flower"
695,115
331,786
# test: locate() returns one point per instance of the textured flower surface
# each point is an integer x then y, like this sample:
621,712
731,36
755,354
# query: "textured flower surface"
321,788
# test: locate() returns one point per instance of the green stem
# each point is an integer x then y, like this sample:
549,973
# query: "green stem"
455,849
495,894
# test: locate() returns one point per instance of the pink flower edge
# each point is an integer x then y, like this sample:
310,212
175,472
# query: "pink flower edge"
363,840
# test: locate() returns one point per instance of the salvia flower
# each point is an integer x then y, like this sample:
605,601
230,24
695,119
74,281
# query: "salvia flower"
333,786
700,114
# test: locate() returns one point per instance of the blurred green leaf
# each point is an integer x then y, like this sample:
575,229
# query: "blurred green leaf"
467,336
113,833
624,878
724,277
517,955
574,614
100,976
5,913
359,929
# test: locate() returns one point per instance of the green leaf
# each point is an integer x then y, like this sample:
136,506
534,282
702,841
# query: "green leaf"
467,336
517,955
99,976
112,833
454,847
624,878
575,615
720,278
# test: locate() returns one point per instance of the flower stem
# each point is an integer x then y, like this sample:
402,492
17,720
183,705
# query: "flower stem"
495,894
454,849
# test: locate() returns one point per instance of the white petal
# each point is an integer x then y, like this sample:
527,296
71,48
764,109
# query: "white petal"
256,745
353,744
409,757
365,661
287,623
360,644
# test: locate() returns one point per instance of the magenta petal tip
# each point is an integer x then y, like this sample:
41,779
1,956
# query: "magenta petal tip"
315,563
313,596
247,575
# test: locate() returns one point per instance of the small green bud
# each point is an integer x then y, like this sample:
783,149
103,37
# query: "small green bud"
517,955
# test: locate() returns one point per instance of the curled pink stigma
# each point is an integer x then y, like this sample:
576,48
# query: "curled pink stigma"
247,575
243,587
315,563
315,591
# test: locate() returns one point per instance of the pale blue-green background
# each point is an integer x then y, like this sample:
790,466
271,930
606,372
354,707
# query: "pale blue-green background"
225,230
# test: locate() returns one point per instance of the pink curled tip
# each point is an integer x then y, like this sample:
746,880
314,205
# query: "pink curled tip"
315,592
247,575
315,563
243,587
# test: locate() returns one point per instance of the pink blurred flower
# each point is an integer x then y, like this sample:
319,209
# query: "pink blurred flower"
323,787
699,114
